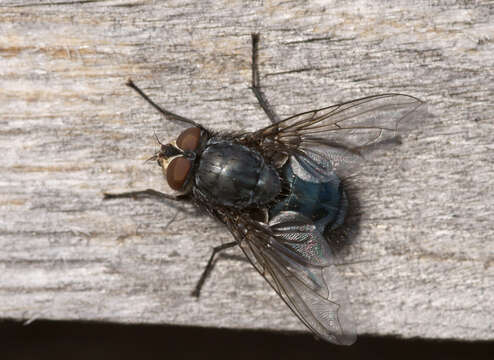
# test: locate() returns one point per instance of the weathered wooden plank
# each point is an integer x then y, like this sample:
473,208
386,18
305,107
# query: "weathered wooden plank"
69,129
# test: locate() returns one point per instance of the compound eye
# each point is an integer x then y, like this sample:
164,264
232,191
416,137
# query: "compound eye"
177,172
189,139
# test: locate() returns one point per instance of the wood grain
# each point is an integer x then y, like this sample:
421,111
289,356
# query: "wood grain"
70,129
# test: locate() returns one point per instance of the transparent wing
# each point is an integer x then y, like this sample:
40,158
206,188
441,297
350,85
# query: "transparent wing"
332,138
297,262
356,123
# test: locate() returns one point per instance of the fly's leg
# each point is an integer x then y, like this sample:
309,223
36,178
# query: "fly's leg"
168,114
209,266
256,86
148,193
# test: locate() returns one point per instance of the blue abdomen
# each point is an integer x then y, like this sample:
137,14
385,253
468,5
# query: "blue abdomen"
325,203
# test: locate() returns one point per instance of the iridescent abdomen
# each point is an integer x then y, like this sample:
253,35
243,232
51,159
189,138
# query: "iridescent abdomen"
325,203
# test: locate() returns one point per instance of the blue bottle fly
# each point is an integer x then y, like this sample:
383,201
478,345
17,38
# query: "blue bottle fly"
282,191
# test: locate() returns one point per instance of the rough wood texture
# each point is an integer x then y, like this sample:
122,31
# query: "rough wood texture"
69,129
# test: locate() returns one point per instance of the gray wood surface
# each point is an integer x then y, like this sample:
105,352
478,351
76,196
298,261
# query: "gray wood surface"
70,129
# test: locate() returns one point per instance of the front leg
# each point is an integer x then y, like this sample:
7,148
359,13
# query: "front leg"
167,114
148,193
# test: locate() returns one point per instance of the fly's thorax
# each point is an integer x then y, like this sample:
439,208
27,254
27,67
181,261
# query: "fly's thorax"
234,175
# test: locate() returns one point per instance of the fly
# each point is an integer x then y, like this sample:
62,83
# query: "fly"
282,192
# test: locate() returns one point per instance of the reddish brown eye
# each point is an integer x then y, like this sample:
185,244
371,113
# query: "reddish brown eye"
177,171
189,139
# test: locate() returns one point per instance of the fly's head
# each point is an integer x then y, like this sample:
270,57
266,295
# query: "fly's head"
178,157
